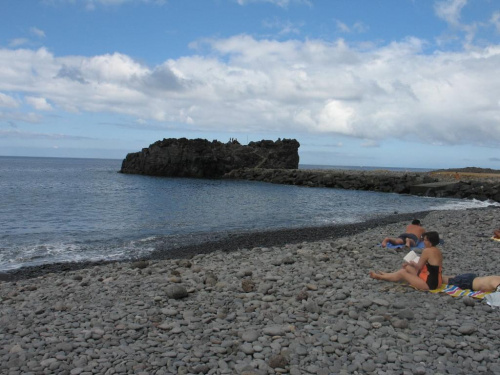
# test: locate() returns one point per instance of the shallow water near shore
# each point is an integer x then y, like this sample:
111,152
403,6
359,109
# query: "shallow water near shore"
67,210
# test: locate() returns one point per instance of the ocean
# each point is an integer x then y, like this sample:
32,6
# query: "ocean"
66,210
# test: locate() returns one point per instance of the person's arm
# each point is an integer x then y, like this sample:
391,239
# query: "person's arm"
423,260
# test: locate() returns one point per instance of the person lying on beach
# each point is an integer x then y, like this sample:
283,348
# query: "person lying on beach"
410,238
496,233
473,282
424,275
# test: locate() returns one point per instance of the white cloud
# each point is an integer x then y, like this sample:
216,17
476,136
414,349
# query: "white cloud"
450,10
37,32
18,42
283,27
15,117
7,101
370,144
358,27
19,134
93,4
342,27
280,3
495,21
40,104
312,86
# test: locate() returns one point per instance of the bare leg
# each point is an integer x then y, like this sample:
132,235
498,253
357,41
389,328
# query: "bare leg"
410,243
486,283
394,241
446,278
401,275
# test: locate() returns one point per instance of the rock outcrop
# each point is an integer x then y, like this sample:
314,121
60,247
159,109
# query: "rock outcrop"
203,159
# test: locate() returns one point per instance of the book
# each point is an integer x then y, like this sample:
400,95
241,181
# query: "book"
411,257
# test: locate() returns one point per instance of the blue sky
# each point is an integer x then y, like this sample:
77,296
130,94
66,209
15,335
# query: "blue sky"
395,83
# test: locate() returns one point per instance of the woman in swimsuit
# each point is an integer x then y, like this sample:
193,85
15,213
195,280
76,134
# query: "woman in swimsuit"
426,274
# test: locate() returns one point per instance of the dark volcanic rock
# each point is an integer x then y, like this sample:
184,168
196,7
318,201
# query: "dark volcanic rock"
203,159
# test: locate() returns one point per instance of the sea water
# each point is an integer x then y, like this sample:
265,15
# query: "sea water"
60,210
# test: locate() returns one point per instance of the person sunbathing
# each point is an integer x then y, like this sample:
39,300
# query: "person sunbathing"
410,238
496,233
424,275
473,282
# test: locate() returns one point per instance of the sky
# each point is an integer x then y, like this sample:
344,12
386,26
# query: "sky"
390,83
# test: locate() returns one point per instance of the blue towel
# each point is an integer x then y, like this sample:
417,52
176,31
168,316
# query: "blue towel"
420,245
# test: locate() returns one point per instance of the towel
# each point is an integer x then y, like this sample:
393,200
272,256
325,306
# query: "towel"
455,291
420,245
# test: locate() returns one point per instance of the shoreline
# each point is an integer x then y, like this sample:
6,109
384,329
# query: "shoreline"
232,242
308,307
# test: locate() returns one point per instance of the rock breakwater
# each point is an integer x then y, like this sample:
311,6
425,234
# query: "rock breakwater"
378,180
304,308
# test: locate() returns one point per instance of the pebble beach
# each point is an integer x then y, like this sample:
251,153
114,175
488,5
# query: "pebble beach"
306,307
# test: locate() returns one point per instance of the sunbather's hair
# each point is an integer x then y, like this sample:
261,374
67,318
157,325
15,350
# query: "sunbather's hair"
415,222
433,237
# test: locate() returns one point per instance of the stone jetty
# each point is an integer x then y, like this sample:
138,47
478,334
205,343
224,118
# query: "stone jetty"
429,184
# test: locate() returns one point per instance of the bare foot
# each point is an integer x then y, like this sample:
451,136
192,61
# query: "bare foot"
375,275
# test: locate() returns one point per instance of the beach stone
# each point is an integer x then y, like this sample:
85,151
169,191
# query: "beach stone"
468,301
312,307
467,329
369,366
269,298
210,279
248,285
247,348
200,369
449,343
274,331
250,372
176,291
400,323
140,264
344,339
380,302
184,263
250,336
406,314
278,361
169,311
303,295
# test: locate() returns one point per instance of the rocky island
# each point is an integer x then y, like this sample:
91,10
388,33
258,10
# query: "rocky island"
201,158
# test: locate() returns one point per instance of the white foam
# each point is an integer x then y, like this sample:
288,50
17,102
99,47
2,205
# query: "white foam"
464,204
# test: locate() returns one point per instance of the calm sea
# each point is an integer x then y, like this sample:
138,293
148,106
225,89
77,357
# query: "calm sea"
57,210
